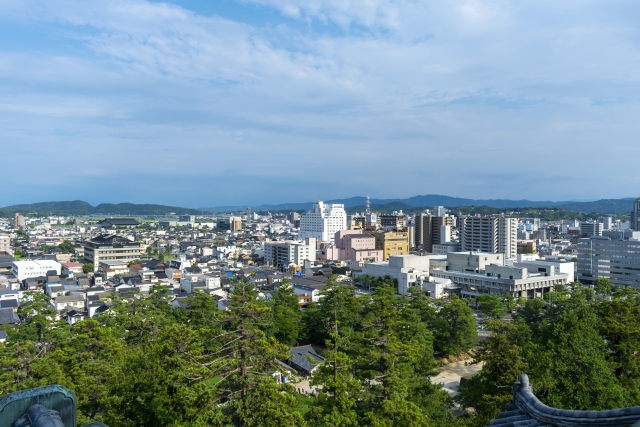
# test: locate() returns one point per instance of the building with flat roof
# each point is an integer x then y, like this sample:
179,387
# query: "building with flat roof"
475,274
110,247
18,221
429,230
284,254
229,223
591,228
635,215
26,269
5,244
392,243
487,234
406,269
323,221
357,245
616,260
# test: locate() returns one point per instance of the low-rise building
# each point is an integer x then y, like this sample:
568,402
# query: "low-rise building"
392,243
26,269
474,274
408,270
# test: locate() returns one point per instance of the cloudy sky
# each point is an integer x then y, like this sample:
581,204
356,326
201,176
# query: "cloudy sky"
207,103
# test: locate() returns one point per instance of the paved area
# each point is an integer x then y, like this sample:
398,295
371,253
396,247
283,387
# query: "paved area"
450,375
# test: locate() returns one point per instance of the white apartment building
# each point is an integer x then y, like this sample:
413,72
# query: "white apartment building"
25,269
283,254
323,221
491,235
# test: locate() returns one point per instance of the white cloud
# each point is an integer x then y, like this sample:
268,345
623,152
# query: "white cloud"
463,87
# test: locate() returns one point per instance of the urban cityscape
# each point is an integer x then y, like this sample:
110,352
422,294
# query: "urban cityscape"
319,213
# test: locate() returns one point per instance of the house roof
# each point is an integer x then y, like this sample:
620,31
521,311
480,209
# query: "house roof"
8,316
8,303
117,222
300,356
69,298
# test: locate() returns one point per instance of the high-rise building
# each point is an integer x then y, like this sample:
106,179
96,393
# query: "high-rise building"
635,215
396,220
18,221
229,223
591,228
323,221
429,230
607,222
616,260
439,211
491,235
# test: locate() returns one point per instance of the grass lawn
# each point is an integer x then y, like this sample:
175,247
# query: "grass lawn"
304,403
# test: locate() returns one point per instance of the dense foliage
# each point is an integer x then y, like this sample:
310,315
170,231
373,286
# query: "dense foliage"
580,352
144,363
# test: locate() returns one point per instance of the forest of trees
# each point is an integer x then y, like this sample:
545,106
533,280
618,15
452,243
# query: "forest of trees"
147,364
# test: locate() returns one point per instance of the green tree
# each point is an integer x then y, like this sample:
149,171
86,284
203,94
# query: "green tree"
492,306
569,370
620,327
503,358
603,286
87,268
286,314
244,357
67,247
454,328
394,349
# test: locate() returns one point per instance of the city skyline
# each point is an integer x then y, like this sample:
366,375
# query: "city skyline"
258,101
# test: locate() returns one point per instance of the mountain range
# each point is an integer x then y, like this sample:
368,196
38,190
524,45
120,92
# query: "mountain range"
79,207
604,206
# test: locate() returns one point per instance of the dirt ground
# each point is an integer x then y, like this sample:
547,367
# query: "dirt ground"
450,375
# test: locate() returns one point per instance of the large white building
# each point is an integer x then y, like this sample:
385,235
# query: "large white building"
25,269
323,221
284,254
406,269
492,235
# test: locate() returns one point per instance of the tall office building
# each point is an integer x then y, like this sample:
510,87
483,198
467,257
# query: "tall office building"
591,228
429,229
439,211
613,259
493,235
635,215
18,221
323,221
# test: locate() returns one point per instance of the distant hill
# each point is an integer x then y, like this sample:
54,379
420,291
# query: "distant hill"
79,207
608,206
605,206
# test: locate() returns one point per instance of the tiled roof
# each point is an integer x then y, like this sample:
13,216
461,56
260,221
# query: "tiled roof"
527,410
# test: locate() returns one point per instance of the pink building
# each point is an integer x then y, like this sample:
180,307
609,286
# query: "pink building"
356,245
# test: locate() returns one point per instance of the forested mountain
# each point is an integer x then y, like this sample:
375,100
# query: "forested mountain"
605,206
79,207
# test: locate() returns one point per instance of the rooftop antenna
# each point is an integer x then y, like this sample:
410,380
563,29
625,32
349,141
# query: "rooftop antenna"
367,206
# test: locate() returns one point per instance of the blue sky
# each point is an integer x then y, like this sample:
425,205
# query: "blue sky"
206,103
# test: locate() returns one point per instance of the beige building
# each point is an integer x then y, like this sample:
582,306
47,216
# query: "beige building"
392,243
5,244
18,221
